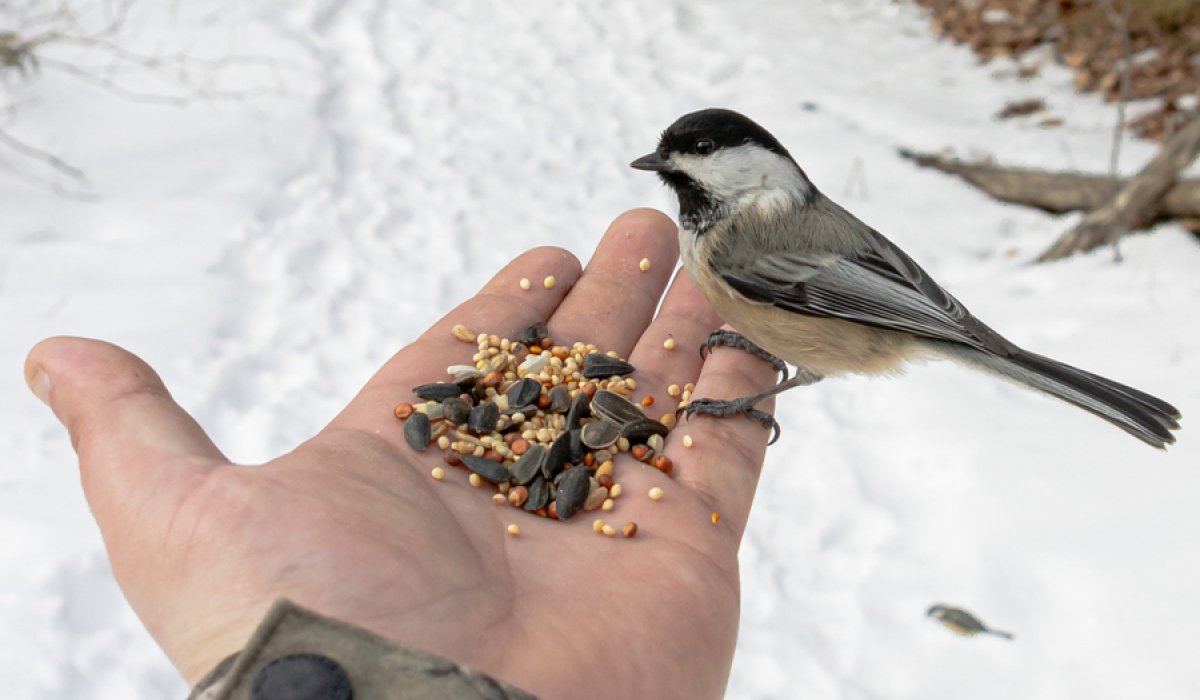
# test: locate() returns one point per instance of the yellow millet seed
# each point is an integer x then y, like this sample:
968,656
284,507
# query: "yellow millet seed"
438,473
514,529
548,283
674,390
598,525
656,493
644,264
475,480
669,343
609,530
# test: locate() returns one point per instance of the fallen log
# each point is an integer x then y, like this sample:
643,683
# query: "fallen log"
1136,201
1058,193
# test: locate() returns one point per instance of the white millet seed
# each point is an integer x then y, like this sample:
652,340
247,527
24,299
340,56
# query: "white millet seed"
438,473
525,284
514,529
656,493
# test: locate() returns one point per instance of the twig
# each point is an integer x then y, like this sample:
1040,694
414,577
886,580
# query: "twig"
1120,21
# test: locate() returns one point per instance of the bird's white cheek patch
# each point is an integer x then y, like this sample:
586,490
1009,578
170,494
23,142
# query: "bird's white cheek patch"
746,175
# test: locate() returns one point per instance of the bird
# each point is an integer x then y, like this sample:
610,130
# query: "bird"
803,281
961,622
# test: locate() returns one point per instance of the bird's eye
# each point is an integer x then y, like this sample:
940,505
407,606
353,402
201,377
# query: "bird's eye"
704,146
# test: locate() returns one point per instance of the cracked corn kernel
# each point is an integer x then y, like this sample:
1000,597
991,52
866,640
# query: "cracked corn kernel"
656,493
715,517
513,529
525,283
499,499
644,264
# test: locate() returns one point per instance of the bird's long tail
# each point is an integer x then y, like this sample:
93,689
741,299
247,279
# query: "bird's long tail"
998,633
1146,417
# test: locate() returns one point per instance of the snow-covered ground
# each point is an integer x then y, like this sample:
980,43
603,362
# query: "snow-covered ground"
266,256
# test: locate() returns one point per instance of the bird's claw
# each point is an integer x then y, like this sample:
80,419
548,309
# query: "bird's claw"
728,409
733,339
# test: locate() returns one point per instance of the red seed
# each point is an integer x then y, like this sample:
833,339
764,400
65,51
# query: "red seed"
640,452
629,529
492,379
403,410
451,457
543,401
663,464
647,401
605,480
519,446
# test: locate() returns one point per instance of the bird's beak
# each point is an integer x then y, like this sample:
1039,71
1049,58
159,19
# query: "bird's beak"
652,162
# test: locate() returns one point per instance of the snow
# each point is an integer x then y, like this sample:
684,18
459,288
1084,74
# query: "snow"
267,255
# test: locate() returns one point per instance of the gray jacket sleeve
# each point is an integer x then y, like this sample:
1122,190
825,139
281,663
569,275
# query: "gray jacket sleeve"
296,654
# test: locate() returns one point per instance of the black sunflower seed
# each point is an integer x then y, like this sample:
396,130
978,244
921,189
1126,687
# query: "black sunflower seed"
577,450
528,466
571,493
600,434
615,408
456,410
417,432
524,392
600,366
488,469
539,494
483,418
580,409
560,399
557,456
639,431
437,392
533,334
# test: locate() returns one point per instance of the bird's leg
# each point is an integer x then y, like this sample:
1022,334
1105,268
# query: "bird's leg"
745,406
733,339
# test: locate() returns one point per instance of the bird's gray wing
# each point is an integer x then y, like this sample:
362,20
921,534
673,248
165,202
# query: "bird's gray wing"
880,287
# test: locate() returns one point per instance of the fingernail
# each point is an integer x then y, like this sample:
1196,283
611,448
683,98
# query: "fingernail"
39,384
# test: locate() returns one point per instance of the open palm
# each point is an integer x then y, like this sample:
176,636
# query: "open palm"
351,524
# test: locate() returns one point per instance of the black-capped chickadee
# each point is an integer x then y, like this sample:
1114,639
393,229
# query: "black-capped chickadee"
806,281
960,621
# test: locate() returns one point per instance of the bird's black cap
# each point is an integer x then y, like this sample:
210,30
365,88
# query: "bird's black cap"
724,127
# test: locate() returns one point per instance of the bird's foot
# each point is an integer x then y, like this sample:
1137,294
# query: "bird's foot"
732,339
728,409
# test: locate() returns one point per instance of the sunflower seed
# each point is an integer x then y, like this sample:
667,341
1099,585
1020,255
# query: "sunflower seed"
560,399
463,373
600,434
532,365
615,408
533,335
539,494
524,392
639,431
571,493
437,392
527,467
580,408
557,456
488,469
417,432
456,410
483,418
599,366
577,450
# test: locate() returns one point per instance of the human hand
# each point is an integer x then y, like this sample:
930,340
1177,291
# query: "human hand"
350,523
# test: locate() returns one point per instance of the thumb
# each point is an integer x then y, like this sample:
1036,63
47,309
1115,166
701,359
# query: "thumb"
134,442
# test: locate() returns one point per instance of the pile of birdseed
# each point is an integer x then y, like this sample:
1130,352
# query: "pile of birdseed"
542,422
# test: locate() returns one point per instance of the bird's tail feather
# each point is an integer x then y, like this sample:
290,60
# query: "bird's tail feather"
998,633
1146,417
